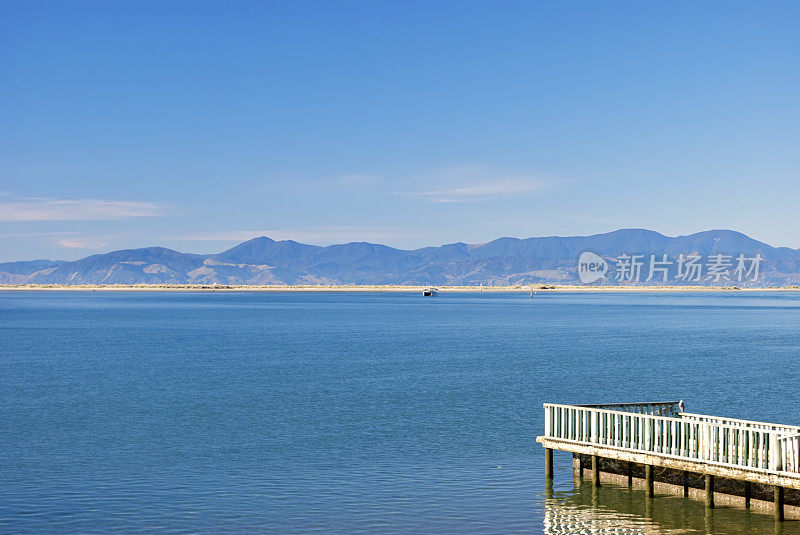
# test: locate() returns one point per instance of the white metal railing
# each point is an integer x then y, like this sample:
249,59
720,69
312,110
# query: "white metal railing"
690,438
787,429
789,442
656,408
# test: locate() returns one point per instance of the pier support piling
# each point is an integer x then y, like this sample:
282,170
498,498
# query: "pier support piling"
648,479
595,471
778,502
709,491
630,475
748,492
548,463
685,484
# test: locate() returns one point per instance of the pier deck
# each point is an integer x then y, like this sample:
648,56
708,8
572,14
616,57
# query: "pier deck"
659,435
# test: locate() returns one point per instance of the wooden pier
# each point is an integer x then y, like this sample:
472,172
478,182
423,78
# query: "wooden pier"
656,442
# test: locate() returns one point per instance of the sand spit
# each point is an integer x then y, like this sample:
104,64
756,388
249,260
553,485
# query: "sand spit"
384,288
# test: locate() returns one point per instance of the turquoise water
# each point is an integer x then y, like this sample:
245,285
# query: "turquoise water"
358,413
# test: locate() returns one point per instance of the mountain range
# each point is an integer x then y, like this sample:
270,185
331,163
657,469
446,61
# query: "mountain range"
504,261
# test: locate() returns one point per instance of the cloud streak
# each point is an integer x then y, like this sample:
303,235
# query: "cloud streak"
82,243
44,209
479,190
470,183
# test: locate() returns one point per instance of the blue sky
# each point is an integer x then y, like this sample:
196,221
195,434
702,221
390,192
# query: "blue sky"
197,125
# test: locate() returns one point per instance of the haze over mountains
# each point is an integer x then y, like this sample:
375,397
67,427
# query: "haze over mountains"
505,261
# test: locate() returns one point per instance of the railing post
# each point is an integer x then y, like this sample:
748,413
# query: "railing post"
673,439
774,453
656,435
573,419
547,421
741,436
639,433
587,424
624,437
705,442
569,424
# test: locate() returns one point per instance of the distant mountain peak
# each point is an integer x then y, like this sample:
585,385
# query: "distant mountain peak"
504,261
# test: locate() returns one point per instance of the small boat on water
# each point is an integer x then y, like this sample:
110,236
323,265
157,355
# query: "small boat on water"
430,292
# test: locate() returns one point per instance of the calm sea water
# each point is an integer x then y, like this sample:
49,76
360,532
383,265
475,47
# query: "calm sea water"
360,413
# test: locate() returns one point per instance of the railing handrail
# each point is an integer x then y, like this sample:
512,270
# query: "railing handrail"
641,415
626,404
674,418
747,423
589,408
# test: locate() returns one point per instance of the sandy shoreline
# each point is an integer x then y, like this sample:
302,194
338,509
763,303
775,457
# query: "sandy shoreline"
413,289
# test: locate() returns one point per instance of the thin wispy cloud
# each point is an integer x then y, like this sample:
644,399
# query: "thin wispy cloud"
48,209
323,183
92,244
36,234
480,190
78,241
472,183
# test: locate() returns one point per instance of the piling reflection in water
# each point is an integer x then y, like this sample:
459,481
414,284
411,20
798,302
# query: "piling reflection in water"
619,511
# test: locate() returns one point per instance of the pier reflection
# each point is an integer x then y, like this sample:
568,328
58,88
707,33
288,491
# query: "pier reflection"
622,511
